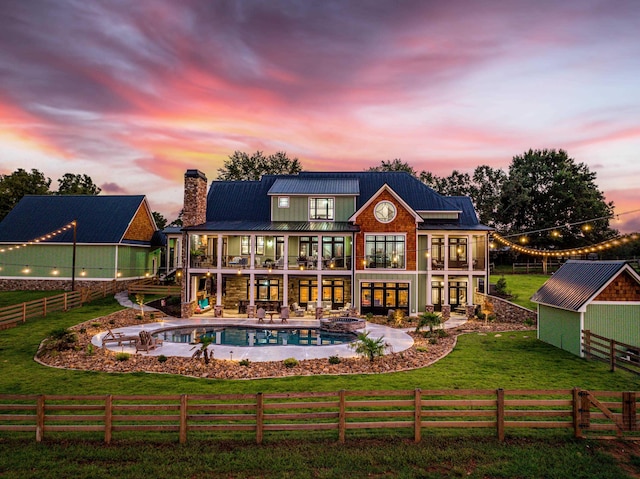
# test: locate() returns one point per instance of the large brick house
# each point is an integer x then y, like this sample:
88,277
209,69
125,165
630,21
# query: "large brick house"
374,241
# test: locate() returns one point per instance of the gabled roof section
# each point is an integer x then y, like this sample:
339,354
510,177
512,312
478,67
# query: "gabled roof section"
373,198
467,218
101,219
315,186
577,283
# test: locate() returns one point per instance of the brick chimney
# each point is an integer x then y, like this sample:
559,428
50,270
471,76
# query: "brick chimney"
195,198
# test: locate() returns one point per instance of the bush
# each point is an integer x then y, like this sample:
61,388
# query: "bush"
530,322
59,339
369,316
162,358
245,362
433,340
123,357
89,349
334,360
82,330
290,362
422,349
491,317
441,333
96,325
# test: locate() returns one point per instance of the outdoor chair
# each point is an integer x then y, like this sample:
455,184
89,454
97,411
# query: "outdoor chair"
297,310
116,337
146,342
284,314
260,315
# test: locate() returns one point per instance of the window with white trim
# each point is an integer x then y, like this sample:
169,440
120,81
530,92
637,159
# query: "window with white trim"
321,209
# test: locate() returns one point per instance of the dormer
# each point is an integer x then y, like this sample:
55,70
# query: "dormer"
313,199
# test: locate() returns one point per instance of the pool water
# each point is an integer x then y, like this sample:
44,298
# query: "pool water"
238,336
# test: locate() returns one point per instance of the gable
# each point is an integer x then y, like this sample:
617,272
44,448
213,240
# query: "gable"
142,227
623,288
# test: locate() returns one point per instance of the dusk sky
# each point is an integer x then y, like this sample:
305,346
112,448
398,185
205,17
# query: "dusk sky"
134,93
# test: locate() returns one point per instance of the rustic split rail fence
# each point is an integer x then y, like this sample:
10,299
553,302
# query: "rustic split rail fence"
617,354
585,413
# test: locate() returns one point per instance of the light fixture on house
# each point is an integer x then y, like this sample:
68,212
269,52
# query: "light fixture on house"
118,274
26,269
83,272
55,271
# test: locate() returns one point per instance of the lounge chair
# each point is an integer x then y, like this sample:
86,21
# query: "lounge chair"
146,342
284,315
297,311
116,337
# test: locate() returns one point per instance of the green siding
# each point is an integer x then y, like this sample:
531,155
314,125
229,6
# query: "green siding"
422,293
133,261
299,208
560,328
618,322
423,247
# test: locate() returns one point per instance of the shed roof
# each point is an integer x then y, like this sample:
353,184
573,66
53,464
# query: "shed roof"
576,283
100,219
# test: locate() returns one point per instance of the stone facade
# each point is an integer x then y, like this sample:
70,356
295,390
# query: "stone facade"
54,284
195,198
505,311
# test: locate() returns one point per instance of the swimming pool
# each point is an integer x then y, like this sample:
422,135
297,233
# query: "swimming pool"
251,337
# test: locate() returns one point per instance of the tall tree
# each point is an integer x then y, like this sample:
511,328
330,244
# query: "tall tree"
486,191
160,220
71,184
548,189
240,166
19,183
394,165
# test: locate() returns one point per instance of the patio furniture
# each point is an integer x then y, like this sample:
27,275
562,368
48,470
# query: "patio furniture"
116,337
260,315
271,313
297,310
284,314
146,342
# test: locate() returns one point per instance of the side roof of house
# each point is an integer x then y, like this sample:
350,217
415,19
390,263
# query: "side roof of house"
100,219
577,282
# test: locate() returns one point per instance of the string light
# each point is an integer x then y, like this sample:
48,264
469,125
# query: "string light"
610,243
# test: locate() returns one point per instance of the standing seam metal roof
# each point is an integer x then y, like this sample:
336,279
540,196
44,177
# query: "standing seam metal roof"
576,282
314,186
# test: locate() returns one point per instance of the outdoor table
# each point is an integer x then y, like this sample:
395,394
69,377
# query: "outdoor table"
271,313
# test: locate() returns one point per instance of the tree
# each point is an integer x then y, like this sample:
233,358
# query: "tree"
178,220
202,351
71,184
429,319
241,166
18,184
394,165
486,190
369,347
546,189
160,220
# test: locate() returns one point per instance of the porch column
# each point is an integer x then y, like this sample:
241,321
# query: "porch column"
446,291
446,258
286,253
253,243
218,289
252,290
285,289
469,290
429,288
320,257
469,255
219,252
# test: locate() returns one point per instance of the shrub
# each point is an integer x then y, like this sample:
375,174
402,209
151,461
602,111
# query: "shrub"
369,316
501,287
398,317
441,333
369,347
95,325
162,358
433,340
422,349
530,322
491,317
481,315
334,360
123,357
112,321
428,319
82,330
59,339
89,349
290,362
245,362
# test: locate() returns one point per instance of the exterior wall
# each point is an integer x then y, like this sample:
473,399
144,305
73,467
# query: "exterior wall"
505,311
403,223
560,328
620,322
133,262
97,261
622,288
141,228
195,198
299,208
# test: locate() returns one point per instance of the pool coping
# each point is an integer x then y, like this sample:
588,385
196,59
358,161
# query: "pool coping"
397,339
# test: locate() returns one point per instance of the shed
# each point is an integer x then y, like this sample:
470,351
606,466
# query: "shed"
600,296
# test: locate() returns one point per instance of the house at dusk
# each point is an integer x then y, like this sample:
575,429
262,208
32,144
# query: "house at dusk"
116,238
372,241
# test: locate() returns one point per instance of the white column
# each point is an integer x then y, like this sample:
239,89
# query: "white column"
253,243
446,253
219,289
319,256
446,290
286,252
219,252
469,290
469,255
252,290
285,289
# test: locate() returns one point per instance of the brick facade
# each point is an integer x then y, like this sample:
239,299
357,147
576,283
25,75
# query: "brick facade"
622,288
403,223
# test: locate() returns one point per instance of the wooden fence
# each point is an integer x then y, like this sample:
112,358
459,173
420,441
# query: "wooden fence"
19,313
150,286
617,354
585,413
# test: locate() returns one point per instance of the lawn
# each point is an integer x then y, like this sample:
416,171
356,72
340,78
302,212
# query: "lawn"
510,360
8,298
522,287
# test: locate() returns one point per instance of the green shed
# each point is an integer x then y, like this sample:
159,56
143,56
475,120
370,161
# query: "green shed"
600,296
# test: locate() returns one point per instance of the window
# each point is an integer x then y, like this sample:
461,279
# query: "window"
259,244
266,290
283,201
457,252
378,298
321,209
308,247
308,291
245,241
384,251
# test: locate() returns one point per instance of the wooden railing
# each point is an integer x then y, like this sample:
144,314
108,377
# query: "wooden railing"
340,411
617,354
150,286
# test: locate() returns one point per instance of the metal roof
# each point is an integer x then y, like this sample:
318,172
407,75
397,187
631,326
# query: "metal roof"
100,219
315,186
300,226
577,282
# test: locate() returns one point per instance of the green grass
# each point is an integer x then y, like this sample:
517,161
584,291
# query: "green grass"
509,360
8,298
522,286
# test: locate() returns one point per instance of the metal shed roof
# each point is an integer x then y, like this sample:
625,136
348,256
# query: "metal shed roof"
315,186
577,282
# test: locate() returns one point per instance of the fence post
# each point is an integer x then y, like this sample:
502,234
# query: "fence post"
44,306
417,415
500,413
24,312
183,418
259,417
587,341
108,418
629,415
65,302
577,430
40,418
612,354
342,417
585,410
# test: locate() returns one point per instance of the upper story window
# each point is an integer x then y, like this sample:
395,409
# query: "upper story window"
384,251
283,201
321,209
245,242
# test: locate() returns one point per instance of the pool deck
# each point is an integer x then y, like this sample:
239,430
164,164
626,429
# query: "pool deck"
398,339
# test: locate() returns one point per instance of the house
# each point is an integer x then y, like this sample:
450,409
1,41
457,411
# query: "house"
600,296
113,238
373,240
